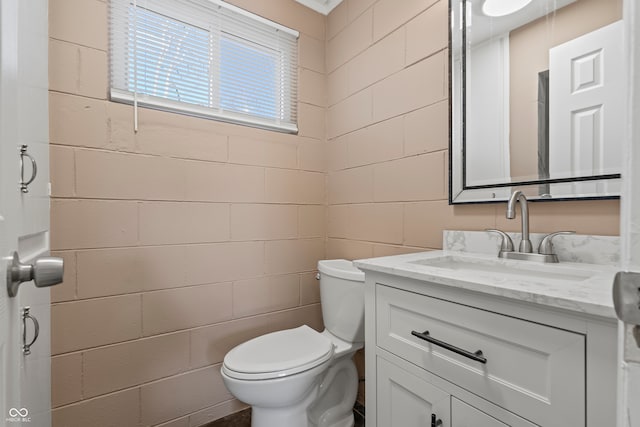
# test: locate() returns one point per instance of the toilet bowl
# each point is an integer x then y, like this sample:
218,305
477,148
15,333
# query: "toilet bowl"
300,377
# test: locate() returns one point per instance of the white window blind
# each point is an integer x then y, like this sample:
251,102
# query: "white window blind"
204,58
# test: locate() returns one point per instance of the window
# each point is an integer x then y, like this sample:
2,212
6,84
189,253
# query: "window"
204,58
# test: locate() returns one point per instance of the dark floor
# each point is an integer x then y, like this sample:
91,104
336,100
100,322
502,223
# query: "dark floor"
243,418
239,419
358,412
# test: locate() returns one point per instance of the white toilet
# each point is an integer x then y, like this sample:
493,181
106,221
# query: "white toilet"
300,377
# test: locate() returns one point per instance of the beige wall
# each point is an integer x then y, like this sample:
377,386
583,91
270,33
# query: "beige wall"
529,54
191,235
387,133
388,136
180,241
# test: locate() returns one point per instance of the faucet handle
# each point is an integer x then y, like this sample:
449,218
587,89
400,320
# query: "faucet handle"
507,243
546,248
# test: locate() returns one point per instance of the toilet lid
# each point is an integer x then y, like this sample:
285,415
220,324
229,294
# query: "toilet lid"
278,354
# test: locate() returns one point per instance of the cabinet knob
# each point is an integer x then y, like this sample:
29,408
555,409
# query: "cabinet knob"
435,422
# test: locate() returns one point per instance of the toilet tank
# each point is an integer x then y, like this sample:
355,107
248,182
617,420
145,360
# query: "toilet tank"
342,297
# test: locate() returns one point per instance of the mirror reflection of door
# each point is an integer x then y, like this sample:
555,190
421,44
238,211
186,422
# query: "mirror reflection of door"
586,110
488,100
508,116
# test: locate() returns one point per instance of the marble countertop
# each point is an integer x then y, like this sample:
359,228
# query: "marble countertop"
576,287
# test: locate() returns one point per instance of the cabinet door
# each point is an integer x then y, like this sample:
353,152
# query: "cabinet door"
406,400
463,415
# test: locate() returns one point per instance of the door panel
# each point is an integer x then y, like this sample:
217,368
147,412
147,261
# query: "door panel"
628,410
586,117
463,415
24,217
406,400
9,336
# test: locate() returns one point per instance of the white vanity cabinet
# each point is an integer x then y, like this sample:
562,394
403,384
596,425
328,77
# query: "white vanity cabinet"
545,366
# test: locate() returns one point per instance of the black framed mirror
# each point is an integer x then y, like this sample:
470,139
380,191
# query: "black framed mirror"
537,99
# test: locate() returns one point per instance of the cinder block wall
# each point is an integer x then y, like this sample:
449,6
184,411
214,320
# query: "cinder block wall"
191,236
388,137
180,241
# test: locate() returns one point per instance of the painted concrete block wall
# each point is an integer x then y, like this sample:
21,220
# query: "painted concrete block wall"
191,236
388,136
388,133
180,241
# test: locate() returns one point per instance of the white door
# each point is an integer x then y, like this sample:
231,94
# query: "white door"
586,115
25,396
628,350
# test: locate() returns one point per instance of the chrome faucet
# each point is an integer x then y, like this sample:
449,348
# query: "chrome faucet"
517,196
525,250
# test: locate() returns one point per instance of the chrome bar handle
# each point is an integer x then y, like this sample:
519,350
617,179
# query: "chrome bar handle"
26,348
24,185
477,356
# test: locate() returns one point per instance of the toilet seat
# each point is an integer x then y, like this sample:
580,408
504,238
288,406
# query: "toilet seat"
278,354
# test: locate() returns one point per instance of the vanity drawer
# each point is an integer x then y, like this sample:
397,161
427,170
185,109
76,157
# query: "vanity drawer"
535,371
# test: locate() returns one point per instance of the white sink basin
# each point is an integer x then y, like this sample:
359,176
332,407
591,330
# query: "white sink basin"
497,266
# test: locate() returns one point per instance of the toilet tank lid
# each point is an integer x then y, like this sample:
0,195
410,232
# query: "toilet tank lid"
341,268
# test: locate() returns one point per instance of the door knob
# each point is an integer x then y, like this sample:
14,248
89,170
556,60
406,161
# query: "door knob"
45,271
626,296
